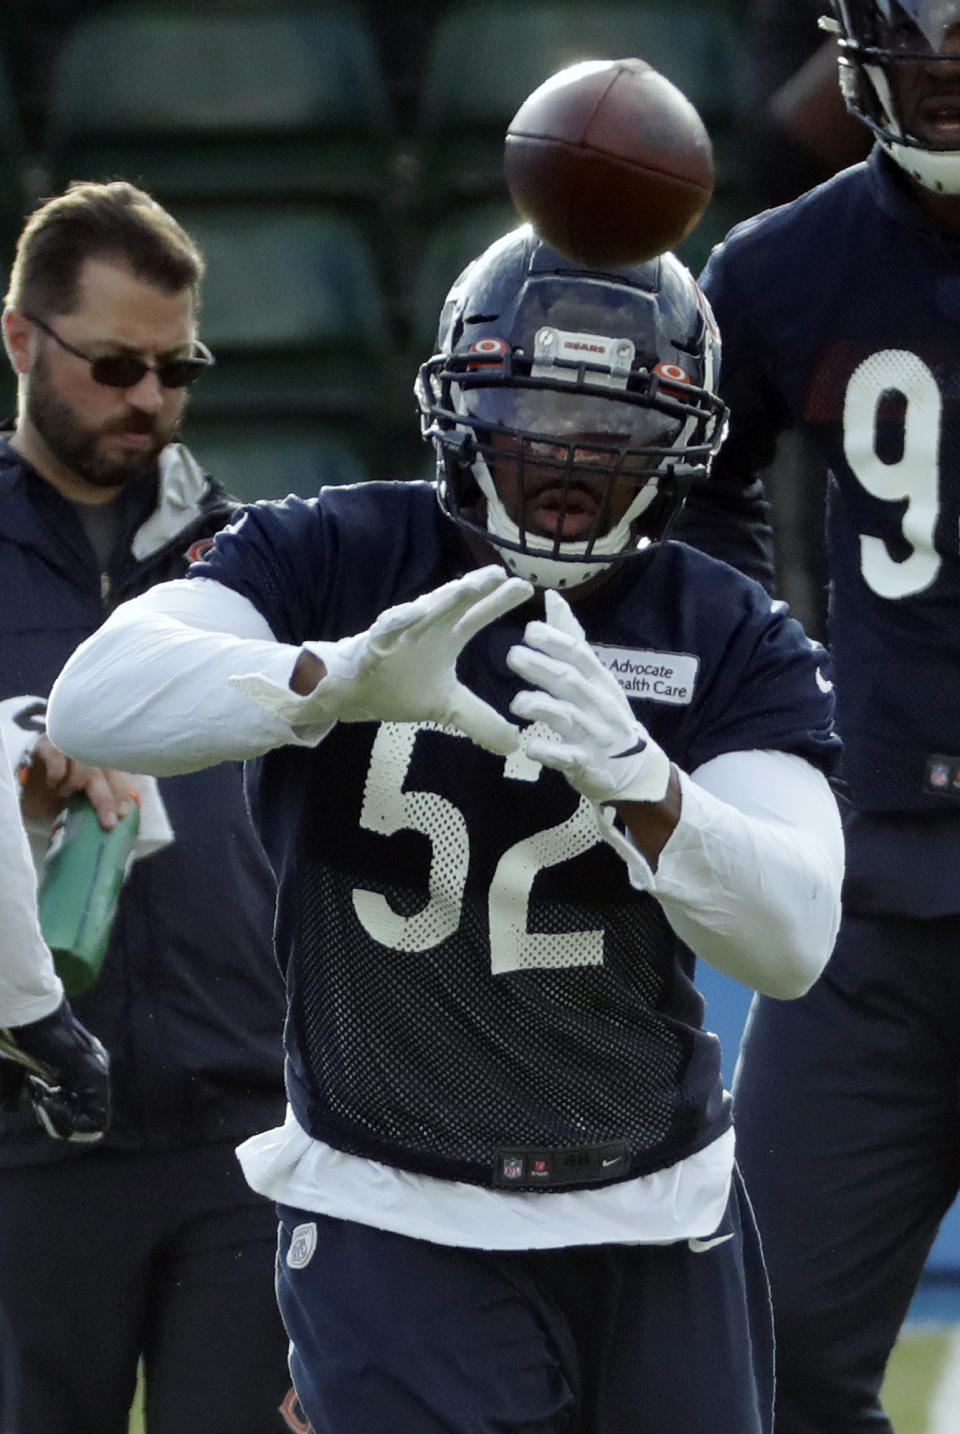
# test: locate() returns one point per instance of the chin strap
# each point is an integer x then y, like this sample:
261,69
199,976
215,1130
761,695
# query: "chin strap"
535,562
936,170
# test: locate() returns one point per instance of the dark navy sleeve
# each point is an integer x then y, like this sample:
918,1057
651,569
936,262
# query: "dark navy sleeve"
266,557
766,684
761,681
727,515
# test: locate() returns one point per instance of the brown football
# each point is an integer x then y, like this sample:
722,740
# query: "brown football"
610,162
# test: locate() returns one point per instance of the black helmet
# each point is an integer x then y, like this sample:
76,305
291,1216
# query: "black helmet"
577,370
875,36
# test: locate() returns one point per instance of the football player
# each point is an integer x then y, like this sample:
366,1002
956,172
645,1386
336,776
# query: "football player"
839,315
524,759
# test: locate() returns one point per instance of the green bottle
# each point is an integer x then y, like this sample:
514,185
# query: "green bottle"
84,870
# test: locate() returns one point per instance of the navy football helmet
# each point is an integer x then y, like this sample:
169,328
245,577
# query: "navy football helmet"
590,394
875,37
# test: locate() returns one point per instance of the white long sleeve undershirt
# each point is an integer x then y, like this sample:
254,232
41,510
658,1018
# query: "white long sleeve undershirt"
29,987
750,879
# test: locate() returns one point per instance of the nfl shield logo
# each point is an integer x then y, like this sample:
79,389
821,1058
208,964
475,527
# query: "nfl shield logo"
512,1167
303,1242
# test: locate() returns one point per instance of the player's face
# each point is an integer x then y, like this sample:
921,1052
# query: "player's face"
105,436
567,466
926,92
554,492
566,491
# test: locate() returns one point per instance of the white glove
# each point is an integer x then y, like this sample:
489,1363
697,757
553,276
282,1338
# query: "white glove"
603,751
403,668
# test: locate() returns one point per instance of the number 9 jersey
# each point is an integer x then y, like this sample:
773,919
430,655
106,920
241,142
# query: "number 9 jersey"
839,314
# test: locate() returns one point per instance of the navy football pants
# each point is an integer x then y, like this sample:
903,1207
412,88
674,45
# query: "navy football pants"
393,1335
110,1255
848,1135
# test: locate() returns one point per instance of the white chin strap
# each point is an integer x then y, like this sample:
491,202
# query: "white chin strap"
936,169
536,564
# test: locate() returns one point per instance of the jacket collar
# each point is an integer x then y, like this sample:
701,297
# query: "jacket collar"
182,493
182,487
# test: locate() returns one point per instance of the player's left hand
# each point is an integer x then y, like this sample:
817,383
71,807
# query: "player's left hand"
65,1071
601,748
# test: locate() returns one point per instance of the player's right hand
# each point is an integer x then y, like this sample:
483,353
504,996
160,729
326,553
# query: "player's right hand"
50,778
605,753
65,1072
403,668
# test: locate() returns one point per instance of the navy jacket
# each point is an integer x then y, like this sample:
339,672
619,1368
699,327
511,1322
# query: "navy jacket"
190,1001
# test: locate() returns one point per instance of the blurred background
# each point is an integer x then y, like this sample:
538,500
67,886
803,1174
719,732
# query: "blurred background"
339,163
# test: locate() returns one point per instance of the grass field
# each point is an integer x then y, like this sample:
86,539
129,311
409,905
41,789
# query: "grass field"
136,1415
924,1358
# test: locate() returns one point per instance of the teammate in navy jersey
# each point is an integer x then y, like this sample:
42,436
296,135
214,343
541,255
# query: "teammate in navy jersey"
504,826
839,315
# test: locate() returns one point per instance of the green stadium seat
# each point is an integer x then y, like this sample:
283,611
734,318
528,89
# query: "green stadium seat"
293,311
15,204
448,246
269,459
223,101
488,55
15,200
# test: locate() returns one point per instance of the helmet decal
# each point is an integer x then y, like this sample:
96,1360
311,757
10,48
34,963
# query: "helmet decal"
495,348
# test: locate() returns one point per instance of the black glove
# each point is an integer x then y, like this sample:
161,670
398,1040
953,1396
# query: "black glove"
65,1071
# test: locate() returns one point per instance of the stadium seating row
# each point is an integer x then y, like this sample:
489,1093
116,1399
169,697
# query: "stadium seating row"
332,232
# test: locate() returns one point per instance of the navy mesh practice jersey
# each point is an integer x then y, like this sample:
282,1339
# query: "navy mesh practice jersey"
840,314
439,903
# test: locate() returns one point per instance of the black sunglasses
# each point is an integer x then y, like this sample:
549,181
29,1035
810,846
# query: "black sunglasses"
126,371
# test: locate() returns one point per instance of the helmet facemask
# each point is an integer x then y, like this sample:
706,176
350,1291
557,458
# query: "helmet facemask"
570,459
884,44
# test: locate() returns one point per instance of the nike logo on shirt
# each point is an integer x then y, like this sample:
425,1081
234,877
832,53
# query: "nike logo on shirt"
700,1246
